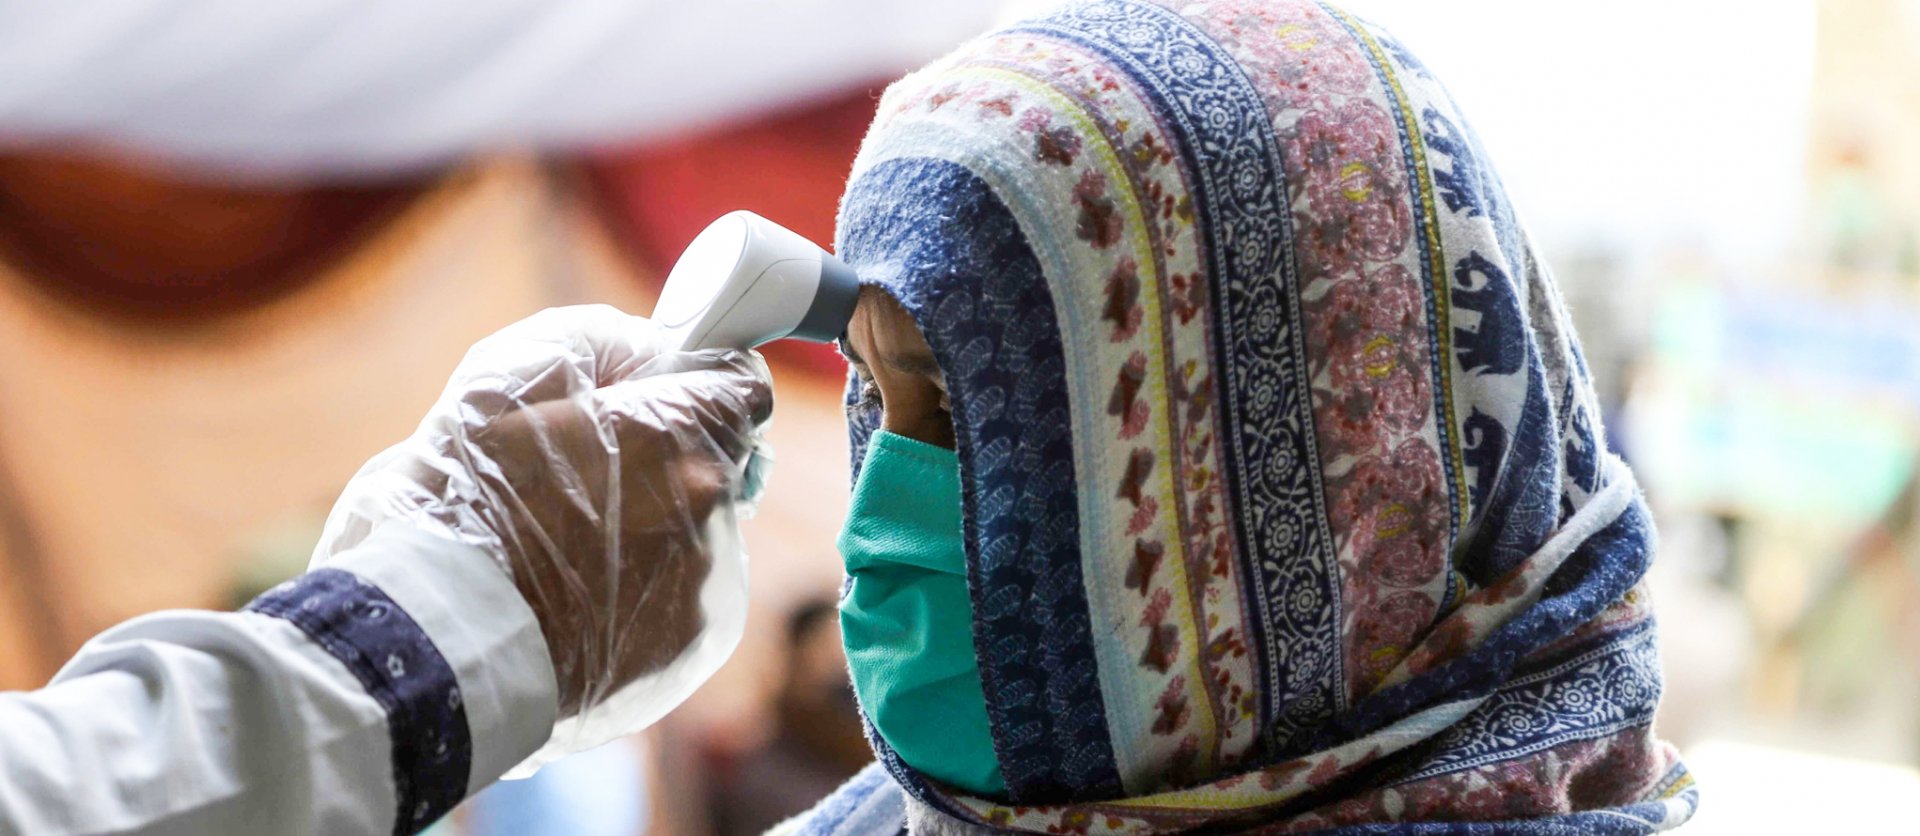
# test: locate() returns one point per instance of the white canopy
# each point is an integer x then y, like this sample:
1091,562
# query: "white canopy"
344,86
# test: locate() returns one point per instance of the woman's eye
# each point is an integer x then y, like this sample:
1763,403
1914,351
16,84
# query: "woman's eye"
869,397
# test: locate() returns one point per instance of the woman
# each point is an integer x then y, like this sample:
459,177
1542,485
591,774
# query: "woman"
1227,460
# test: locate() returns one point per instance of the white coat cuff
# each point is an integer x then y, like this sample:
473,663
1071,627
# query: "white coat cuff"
475,616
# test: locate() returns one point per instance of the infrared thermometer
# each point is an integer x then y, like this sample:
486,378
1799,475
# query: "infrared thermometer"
745,281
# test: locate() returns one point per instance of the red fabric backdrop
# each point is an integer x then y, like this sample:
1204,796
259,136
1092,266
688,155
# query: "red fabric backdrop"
789,166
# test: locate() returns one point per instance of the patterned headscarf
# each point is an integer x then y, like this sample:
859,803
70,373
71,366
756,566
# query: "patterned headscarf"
1286,500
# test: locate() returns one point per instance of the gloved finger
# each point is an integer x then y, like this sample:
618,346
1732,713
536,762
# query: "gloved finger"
734,361
553,354
726,396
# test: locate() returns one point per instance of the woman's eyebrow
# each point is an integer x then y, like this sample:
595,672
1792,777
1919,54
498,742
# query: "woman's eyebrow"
905,362
911,362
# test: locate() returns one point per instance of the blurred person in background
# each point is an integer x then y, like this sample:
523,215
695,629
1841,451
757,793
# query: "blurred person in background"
816,745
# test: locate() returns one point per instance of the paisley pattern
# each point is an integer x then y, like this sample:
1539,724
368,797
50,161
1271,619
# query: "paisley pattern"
401,669
1285,498
1268,457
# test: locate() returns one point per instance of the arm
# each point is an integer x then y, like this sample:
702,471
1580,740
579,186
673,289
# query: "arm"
556,539
364,697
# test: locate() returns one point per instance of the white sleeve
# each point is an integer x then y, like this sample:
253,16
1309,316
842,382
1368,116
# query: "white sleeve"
367,696
323,85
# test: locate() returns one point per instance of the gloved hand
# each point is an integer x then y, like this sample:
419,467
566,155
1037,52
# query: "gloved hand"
607,477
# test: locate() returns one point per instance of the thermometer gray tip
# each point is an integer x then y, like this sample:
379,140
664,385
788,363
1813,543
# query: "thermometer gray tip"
833,303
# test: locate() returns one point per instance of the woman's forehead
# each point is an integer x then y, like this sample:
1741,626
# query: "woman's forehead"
882,333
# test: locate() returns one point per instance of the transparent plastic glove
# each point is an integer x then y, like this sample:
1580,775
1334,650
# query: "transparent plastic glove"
607,477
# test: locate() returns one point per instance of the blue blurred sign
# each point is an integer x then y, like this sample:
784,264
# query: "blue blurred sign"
1780,404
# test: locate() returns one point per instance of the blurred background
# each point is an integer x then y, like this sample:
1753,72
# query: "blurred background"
234,265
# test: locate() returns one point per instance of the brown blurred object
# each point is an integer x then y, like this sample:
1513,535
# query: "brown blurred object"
125,238
139,460
817,744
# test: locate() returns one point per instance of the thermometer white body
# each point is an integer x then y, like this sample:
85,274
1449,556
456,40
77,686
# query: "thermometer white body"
745,281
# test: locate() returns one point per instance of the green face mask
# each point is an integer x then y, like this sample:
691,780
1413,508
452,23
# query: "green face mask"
907,621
